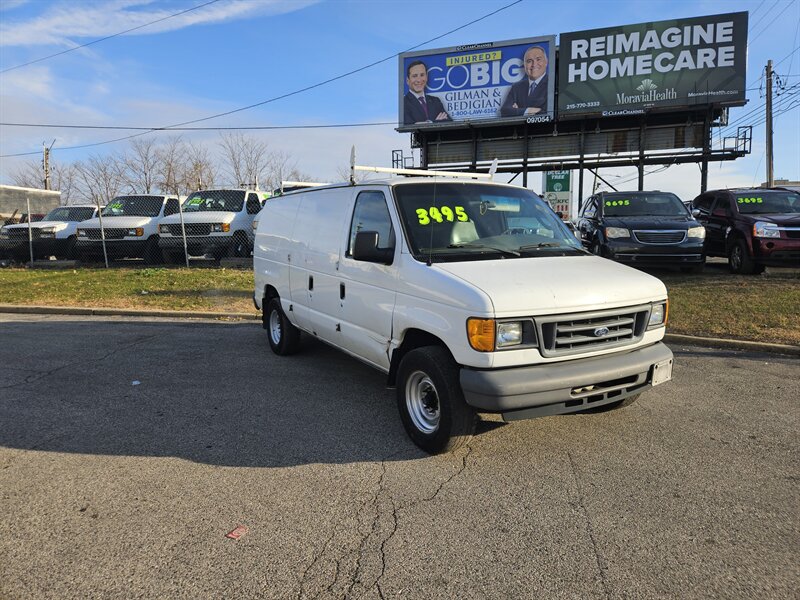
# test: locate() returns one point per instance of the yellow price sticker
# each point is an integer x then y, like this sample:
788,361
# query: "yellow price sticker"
441,214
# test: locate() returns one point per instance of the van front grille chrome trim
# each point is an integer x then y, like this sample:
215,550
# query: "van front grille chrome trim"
562,335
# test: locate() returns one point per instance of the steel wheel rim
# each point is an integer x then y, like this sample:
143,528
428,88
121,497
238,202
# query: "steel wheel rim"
422,402
736,258
275,327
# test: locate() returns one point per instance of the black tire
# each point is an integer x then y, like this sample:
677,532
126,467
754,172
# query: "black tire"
430,401
241,247
152,253
168,257
69,252
284,338
740,261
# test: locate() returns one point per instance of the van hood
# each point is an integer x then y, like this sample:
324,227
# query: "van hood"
531,286
204,216
39,224
115,222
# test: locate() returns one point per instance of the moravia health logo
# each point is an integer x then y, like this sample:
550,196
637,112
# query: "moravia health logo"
648,94
647,86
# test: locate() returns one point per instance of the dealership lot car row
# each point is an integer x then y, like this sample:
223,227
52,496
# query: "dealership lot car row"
752,228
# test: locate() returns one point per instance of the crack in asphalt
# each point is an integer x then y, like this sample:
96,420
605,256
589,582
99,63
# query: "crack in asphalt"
42,374
589,529
313,562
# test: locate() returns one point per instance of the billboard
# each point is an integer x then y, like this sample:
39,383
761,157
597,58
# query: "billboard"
495,81
632,69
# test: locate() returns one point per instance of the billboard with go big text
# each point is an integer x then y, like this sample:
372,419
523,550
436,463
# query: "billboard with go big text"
510,80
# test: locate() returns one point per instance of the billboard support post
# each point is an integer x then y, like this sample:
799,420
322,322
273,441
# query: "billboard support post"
525,157
706,152
642,133
474,164
580,167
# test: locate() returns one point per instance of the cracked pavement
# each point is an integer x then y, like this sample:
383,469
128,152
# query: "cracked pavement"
115,490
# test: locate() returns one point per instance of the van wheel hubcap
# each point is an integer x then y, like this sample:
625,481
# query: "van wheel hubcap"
422,401
275,327
736,258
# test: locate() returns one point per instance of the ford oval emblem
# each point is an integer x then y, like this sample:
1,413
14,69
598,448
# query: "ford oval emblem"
601,331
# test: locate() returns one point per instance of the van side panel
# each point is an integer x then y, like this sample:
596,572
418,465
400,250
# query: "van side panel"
272,248
319,234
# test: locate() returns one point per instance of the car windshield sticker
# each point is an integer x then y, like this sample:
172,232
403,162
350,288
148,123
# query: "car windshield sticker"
746,200
441,214
195,201
618,202
115,205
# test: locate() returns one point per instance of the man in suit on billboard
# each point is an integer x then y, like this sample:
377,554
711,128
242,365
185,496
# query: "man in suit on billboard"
529,95
419,107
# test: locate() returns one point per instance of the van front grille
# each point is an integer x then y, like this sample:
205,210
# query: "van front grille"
191,229
561,335
22,234
111,233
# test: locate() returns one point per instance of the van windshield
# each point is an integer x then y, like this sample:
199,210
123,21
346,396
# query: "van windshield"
68,213
215,200
468,220
643,204
134,206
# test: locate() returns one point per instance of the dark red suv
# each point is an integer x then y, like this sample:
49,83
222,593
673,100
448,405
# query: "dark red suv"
753,228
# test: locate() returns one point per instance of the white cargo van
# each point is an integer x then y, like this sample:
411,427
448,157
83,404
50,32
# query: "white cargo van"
215,222
52,236
471,296
128,226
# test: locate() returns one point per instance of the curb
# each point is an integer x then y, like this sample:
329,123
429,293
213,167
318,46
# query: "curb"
121,312
177,314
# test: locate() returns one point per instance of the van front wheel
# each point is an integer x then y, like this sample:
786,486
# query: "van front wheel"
430,401
284,338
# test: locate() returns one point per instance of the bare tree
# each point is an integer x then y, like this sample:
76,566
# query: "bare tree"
65,180
29,174
99,179
171,166
247,160
200,171
140,165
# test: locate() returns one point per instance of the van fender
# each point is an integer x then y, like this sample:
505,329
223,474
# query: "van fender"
412,339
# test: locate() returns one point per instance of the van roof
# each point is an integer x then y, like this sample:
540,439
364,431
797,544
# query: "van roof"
394,182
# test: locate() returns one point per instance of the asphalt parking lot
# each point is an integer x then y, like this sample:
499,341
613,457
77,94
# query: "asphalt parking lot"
129,448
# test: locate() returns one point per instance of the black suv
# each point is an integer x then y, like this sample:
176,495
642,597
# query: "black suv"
642,228
752,227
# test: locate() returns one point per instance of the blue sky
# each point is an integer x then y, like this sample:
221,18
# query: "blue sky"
234,53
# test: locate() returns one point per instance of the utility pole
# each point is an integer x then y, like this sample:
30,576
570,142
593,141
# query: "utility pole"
46,165
770,175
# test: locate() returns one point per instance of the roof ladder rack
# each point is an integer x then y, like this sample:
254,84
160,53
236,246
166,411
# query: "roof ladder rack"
419,172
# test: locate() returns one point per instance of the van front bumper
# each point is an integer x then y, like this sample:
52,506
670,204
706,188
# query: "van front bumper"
196,245
563,387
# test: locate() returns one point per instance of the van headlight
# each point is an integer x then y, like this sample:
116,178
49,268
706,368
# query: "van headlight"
3,233
47,232
255,225
81,233
488,335
697,232
766,230
163,229
617,232
138,232
220,227
659,312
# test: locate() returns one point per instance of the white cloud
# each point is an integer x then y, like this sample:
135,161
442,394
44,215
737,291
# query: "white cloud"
65,22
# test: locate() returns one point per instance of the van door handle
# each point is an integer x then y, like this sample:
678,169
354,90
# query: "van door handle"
310,282
341,291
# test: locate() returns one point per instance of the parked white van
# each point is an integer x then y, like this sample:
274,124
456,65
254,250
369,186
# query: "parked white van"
471,296
129,228
52,236
216,222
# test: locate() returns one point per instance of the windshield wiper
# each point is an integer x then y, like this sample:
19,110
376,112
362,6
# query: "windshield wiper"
503,251
552,245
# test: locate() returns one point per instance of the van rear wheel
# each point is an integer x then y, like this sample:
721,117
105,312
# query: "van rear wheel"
430,401
284,338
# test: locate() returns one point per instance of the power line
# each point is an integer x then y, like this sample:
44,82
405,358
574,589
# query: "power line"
753,39
108,37
305,89
248,127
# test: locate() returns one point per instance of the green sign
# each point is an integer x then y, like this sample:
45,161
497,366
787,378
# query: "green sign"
632,69
556,181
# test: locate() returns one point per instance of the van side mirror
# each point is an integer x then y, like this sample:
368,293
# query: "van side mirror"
365,248
696,212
